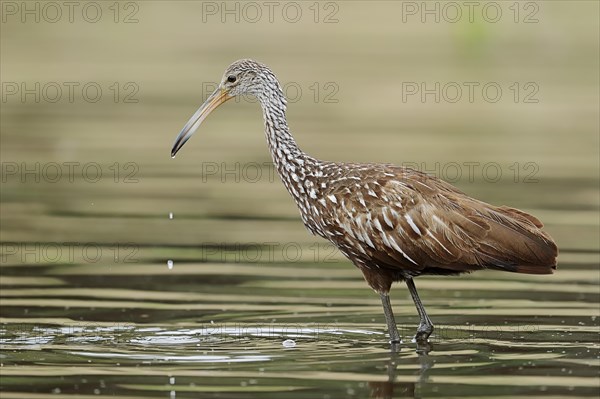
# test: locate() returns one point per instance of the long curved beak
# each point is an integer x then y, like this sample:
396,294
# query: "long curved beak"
217,98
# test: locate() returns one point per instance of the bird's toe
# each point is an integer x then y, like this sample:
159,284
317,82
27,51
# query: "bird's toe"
423,332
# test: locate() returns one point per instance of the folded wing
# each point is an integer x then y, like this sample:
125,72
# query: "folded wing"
409,220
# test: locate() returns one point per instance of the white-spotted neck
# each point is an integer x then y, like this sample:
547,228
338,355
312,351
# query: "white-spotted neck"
298,171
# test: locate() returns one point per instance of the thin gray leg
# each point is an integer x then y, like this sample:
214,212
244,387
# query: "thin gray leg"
426,326
389,319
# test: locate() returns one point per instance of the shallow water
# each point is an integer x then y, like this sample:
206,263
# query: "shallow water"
194,277
214,329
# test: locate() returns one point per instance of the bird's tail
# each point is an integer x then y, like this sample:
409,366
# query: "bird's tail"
516,243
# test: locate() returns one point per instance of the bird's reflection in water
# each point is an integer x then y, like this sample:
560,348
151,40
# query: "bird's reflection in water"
390,389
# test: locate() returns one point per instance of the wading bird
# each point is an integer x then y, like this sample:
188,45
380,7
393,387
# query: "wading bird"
394,223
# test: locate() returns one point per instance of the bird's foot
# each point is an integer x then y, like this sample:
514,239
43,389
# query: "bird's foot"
423,333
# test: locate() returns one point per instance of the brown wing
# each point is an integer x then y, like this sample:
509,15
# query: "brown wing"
401,218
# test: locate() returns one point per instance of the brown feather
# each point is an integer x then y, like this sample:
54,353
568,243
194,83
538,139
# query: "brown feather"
410,223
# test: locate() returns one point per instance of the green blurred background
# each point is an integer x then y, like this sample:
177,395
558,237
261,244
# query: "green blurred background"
350,70
348,76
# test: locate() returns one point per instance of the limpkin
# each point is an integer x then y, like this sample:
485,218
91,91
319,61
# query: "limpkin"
394,223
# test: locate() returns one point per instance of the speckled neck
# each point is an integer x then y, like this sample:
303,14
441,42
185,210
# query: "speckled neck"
293,165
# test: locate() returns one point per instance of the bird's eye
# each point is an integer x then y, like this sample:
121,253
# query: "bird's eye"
231,79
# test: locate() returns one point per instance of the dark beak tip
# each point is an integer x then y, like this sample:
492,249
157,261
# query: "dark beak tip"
175,149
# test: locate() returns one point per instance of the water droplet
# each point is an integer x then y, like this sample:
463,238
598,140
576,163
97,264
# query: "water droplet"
173,393
172,380
289,343
170,264
170,215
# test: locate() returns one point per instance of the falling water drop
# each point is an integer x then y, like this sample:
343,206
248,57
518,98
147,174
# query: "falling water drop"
170,215
170,264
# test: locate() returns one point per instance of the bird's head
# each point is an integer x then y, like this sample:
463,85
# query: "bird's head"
243,77
246,77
